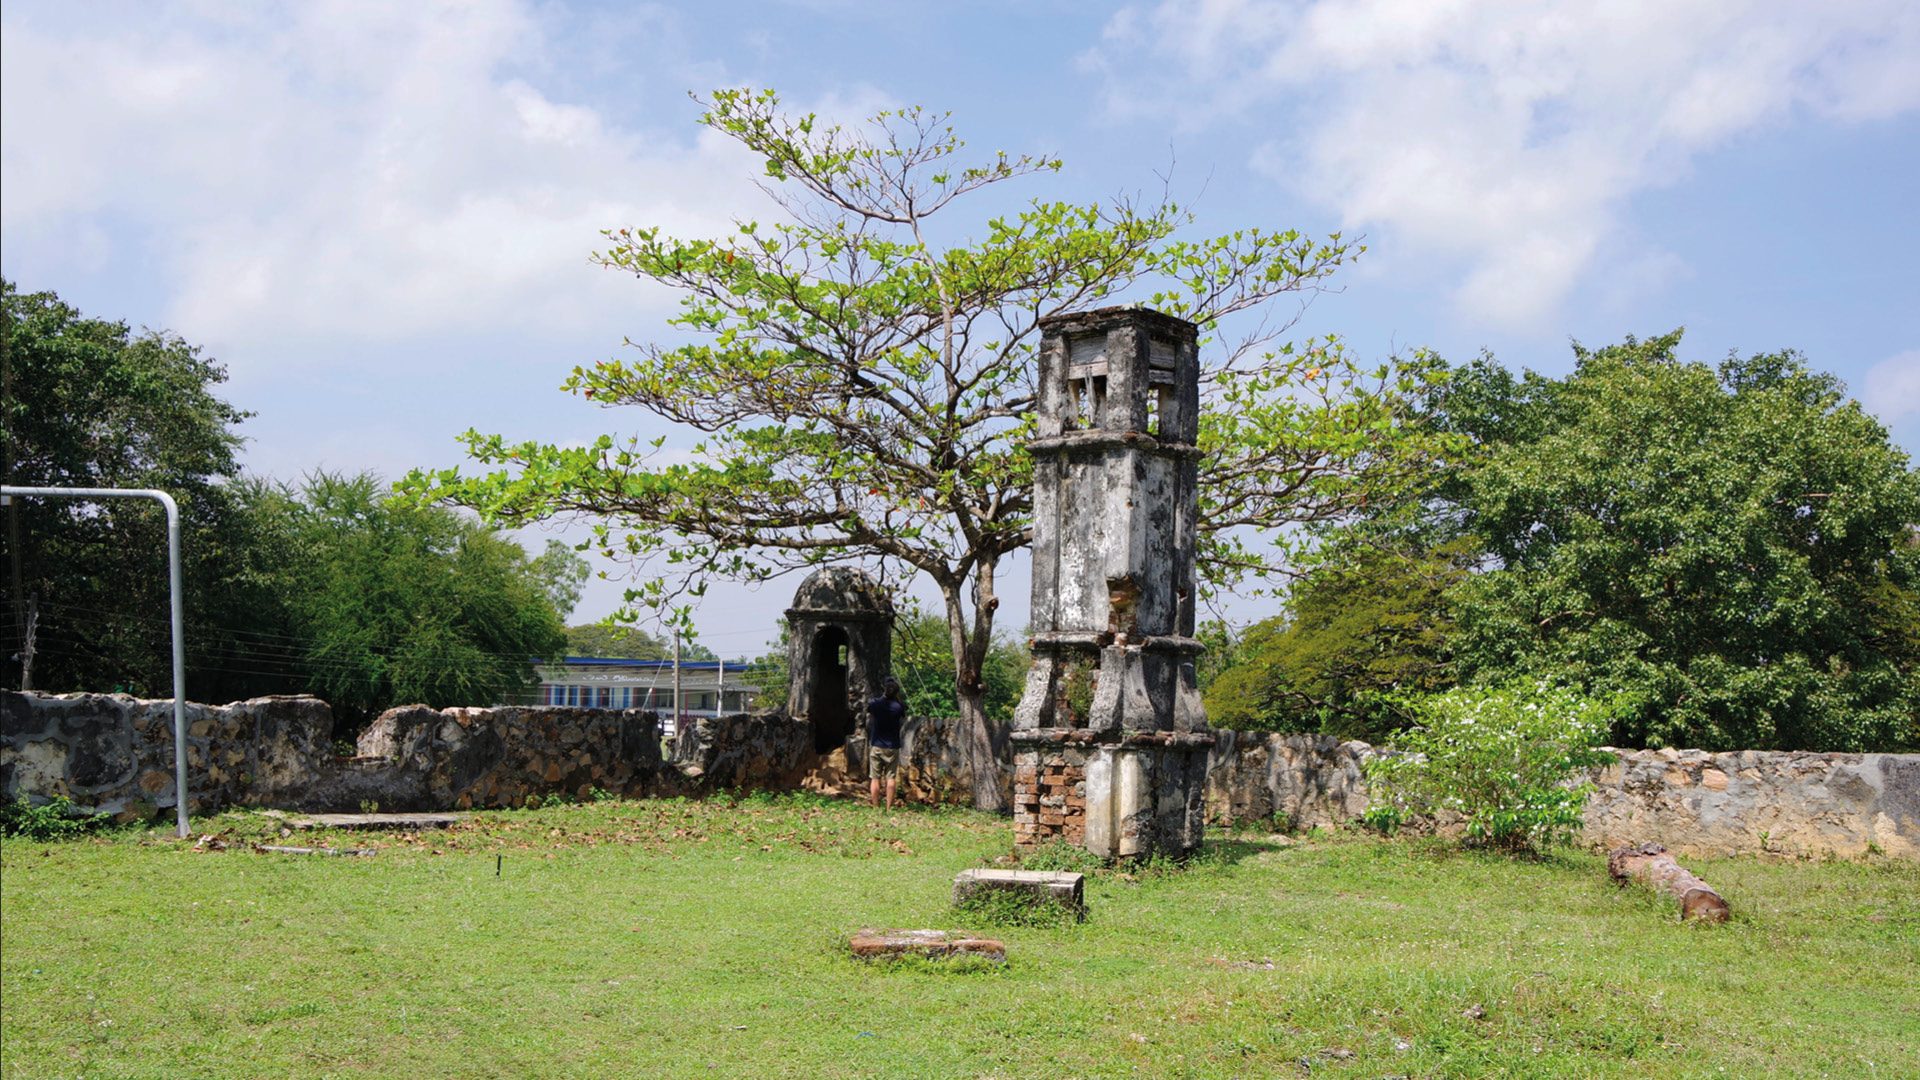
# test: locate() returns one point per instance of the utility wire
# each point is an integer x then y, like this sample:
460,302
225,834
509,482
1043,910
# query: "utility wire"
300,665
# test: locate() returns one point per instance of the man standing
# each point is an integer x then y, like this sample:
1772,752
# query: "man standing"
885,714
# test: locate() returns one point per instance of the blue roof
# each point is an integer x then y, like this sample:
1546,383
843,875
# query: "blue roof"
646,665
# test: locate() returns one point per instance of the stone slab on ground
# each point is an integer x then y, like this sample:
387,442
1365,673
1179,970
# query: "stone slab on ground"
932,944
388,822
1037,886
279,849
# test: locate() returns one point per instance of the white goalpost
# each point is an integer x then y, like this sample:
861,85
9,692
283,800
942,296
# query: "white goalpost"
173,594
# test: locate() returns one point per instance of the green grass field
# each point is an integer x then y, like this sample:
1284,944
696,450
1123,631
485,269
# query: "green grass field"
677,938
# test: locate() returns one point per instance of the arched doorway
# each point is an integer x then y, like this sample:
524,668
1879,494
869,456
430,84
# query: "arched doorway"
840,647
831,715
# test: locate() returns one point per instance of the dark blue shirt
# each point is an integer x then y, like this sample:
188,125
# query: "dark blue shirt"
883,722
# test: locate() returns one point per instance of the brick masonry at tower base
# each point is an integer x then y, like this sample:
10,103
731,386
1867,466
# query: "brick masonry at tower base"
1049,797
1142,793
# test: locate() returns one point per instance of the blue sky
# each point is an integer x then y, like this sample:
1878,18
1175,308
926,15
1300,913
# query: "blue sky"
379,215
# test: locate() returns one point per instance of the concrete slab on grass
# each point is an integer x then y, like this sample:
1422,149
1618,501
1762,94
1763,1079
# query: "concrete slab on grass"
932,944
388,822
1037,886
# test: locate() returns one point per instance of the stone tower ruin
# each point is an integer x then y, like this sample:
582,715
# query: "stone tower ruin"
839,651
1110,739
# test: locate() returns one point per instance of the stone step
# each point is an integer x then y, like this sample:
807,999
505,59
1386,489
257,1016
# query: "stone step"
931,944
1035,886
385,822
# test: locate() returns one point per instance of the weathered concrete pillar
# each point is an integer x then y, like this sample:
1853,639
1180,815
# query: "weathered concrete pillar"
1110,739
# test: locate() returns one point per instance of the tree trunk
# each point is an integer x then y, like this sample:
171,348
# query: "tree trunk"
1651,864
981,760
969,656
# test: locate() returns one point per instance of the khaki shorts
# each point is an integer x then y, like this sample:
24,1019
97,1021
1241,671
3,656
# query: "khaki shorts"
883,762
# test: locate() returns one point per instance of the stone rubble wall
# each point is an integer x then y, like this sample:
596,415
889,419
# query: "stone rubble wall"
1747,801
1299,781
933,761
419,759
745,750
115,753
1696,803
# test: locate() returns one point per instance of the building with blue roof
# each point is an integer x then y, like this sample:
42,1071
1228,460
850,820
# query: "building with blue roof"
707,687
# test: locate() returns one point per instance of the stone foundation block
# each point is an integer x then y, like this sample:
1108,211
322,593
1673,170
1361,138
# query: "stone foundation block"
932,944
1036,886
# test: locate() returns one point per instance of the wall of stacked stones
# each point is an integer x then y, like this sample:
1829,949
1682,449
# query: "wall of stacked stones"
416,758
1696,803
1807,804
1302,781
934,765
115,753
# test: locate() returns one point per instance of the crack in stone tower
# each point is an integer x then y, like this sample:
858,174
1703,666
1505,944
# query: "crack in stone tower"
1110,739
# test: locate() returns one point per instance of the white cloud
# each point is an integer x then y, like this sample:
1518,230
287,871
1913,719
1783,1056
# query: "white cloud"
1891,389
338,172
1505,137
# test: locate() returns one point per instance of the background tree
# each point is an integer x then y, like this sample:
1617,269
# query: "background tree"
91,403
399,603
562,574
768,673
327,587
923,662
864,379
611,640
1359,635
615,639
1728,553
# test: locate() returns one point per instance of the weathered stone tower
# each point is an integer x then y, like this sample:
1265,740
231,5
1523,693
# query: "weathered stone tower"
839,651
1110,739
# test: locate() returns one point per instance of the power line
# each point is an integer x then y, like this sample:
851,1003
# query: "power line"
302,679
262,635
293,669
301,647
308,665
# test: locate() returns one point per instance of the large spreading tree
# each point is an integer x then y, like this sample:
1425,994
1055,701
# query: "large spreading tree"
863,375
1731,552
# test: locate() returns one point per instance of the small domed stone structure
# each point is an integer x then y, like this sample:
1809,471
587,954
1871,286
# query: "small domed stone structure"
839,651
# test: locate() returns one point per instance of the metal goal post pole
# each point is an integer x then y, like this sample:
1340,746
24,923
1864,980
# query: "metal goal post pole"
174,603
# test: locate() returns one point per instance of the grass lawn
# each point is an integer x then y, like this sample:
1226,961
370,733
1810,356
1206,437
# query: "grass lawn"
674,938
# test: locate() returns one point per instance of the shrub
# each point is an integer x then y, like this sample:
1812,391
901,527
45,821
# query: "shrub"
1506,760
56,819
